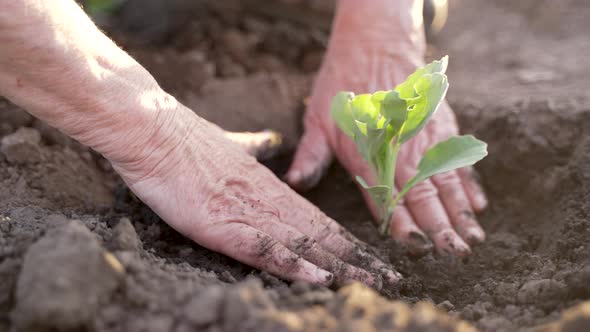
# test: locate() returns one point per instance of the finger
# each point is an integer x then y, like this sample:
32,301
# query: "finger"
311,251
475,193
311,160
255,248
263,145
450,190
430,215
343,244
405,231
338,241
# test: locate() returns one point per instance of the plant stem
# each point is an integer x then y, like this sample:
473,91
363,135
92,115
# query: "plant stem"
391,207
387,210
385,225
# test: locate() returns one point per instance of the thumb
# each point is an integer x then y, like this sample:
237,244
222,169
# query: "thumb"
311,160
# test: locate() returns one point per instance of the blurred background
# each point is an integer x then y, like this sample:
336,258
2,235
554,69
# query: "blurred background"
248,49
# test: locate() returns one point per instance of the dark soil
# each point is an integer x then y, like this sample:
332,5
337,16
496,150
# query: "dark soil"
79,252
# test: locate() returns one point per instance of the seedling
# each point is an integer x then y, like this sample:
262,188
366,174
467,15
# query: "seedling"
380,123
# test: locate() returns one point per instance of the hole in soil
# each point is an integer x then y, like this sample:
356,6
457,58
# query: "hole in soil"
537,178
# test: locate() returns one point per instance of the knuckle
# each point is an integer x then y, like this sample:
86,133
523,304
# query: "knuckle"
361,258
266,252
324,234
313,252
466,216
234,199
265,247
303,244
422,192
469,174
454,195
447,179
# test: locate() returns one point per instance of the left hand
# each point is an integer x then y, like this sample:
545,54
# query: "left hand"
440,209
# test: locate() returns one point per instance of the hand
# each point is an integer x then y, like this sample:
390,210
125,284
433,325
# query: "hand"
209,189
440,210
186,169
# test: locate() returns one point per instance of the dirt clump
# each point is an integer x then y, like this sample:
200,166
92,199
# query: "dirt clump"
66,276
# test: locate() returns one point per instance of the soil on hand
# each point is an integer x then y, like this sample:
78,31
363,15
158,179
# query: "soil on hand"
79,252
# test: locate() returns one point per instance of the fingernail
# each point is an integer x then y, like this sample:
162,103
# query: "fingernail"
324,277
393,277
481,201
304,181
418,244
461,249
475,235
293,177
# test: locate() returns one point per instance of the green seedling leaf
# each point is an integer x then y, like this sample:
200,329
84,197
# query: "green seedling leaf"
380,193
341,113
365,111
381,196
406,89
431,90
456,152
395,110
97,6
381,122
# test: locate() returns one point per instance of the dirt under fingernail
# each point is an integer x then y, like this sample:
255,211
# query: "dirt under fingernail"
418,244
391,277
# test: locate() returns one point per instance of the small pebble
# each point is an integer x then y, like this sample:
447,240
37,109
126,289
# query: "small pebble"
446,305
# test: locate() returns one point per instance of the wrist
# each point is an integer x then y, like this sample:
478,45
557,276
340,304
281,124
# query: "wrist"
75,78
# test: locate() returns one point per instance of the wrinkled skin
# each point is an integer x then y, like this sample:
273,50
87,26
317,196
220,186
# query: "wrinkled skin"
364,57
235,206
58,66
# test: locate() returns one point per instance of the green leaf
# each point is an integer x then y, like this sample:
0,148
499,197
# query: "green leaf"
455,152
360,139
378,97
365,111
96,6
341,113
372,121
380,194
406,89
368,129
394,110
431,90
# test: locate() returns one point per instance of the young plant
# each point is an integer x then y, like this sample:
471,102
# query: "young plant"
381,122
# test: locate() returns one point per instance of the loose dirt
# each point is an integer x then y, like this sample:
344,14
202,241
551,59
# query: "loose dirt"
79,252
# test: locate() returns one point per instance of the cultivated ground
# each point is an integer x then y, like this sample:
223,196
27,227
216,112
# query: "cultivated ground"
78,251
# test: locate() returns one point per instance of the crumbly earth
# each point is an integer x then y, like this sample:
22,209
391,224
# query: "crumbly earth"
79,252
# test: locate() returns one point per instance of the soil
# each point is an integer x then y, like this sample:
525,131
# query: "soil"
79,252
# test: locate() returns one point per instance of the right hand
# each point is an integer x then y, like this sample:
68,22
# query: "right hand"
209,189
55,64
